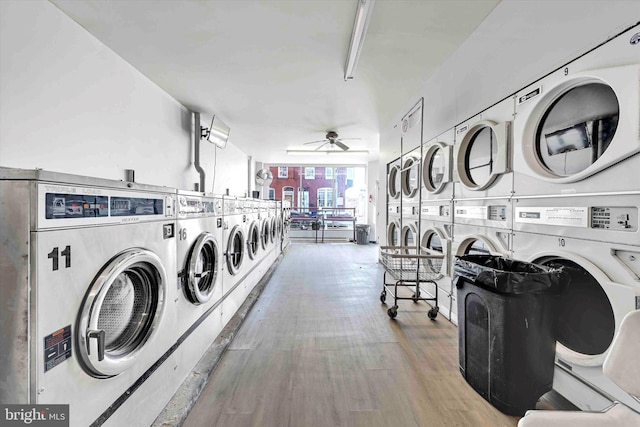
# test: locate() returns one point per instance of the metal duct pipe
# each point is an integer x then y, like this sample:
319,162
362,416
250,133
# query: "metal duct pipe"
197,135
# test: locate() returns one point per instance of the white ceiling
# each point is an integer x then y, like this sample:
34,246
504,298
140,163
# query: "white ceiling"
274,70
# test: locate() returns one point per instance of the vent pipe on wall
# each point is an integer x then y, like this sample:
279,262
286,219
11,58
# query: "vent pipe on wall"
197,135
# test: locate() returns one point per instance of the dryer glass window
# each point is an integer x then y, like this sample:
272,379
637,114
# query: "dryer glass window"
206,268
254,240
432,242
586,323
410,177
436,169
392,182
577,129
480,156
235,250
393,235
477,247
409,237
128,308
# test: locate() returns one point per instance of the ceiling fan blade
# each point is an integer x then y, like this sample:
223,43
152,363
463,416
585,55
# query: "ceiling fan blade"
314,142
321,145
350,139
341,145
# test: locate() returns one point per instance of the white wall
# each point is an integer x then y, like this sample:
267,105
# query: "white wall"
70,104
373,185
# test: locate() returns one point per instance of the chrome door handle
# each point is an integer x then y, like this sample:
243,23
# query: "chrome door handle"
100,335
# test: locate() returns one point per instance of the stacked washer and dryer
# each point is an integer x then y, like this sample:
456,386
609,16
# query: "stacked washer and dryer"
548,176
576,203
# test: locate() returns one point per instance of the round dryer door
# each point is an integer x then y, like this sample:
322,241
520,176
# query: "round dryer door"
266,233
433,243
202,269
254,240
274,229
409,236
576,129
586,321
393,234
436,171
410,177
235,249
393,182
477,245
482,155
120,312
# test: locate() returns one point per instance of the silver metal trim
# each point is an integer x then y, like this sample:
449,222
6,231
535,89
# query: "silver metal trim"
112,365
197,296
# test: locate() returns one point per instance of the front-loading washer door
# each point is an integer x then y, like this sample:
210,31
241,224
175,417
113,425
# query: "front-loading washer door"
202,269
120,312
235,250
483,154
586,320
253,241
266,233
274,230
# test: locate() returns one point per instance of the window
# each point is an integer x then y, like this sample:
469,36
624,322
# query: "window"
272,194
303,198
283,172
287,194
350,173
309,173
325,197
328,173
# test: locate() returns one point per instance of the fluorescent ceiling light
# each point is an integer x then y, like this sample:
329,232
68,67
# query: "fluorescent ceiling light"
303,152
365,7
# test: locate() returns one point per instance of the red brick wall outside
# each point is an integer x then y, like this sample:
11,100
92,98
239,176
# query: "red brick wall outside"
312,185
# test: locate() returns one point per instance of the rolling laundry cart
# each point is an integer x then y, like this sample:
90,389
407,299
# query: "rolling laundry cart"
408,268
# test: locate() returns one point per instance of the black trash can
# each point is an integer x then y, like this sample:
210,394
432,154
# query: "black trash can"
507,312
362,234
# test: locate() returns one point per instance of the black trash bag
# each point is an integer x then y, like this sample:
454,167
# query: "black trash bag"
507,275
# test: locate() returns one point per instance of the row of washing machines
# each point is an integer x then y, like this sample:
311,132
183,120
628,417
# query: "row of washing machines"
111,292
547,176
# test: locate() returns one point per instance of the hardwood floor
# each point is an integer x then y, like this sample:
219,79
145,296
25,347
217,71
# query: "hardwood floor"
318,349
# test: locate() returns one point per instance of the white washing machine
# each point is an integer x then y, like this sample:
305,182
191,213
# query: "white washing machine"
482,153
236,264
436,238
597,239
437,167
88,295
577,130
200,255
265,226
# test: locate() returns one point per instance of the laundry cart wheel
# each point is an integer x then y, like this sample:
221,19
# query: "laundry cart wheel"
433,313
383,296
393,312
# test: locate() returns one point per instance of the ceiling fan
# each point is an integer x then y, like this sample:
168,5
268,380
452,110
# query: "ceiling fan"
332,139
